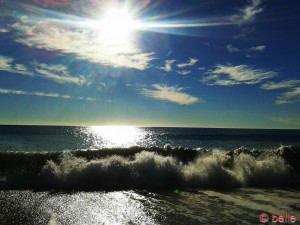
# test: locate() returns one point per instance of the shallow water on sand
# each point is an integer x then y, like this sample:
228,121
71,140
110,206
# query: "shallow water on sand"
238,206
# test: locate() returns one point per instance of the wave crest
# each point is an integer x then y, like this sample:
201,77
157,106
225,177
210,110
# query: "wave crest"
149,169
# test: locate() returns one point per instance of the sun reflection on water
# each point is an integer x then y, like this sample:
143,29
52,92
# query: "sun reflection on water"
116,136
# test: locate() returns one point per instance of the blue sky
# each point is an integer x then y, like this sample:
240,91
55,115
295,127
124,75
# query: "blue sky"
225,63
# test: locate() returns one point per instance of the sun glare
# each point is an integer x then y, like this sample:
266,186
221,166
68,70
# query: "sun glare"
113,136
116,26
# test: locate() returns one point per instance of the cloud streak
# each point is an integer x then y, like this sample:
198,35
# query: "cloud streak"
168,65
184,72
280,85
232,49
4,30
58,73
248,13
259,48
41,94
227,75
191,62
170,94
292,96
7,64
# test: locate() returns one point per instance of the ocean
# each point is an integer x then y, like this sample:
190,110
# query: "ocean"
58,175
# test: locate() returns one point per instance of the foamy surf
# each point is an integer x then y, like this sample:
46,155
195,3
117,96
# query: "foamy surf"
152,168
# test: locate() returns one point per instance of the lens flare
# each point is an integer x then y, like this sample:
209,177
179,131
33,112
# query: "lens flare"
116,26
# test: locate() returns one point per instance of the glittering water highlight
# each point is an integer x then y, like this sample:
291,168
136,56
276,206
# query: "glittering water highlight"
55,138
242,206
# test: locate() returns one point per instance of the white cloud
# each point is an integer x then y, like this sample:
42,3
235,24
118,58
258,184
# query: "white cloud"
280,85
227,75
58,68
191,62
86,43
232,49
184,72
58,73
168,65
216,80
4,30
259,48
289,97
201,68
87,99
248,13
170,94
41,94
7,64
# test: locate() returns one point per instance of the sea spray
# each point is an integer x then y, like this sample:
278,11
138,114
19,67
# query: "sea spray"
152,168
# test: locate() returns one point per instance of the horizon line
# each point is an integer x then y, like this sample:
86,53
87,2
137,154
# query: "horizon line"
186,127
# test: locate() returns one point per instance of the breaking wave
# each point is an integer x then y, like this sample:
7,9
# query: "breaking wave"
150,168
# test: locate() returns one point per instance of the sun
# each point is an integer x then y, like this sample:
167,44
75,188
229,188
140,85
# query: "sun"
117,26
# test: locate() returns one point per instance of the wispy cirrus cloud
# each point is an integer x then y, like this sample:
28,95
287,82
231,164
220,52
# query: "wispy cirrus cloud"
183,72
57,73
280,85
4,30
168,65
42,94
84,42
228,75
248,13
292,96
258,48
233,49
191,62
7,64
170,94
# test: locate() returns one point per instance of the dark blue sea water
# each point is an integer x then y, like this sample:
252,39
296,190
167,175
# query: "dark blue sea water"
53,138
205,182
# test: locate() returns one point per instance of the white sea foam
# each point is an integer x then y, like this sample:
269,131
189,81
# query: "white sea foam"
148,169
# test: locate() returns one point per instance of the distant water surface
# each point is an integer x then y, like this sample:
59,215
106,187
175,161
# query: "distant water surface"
58,138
